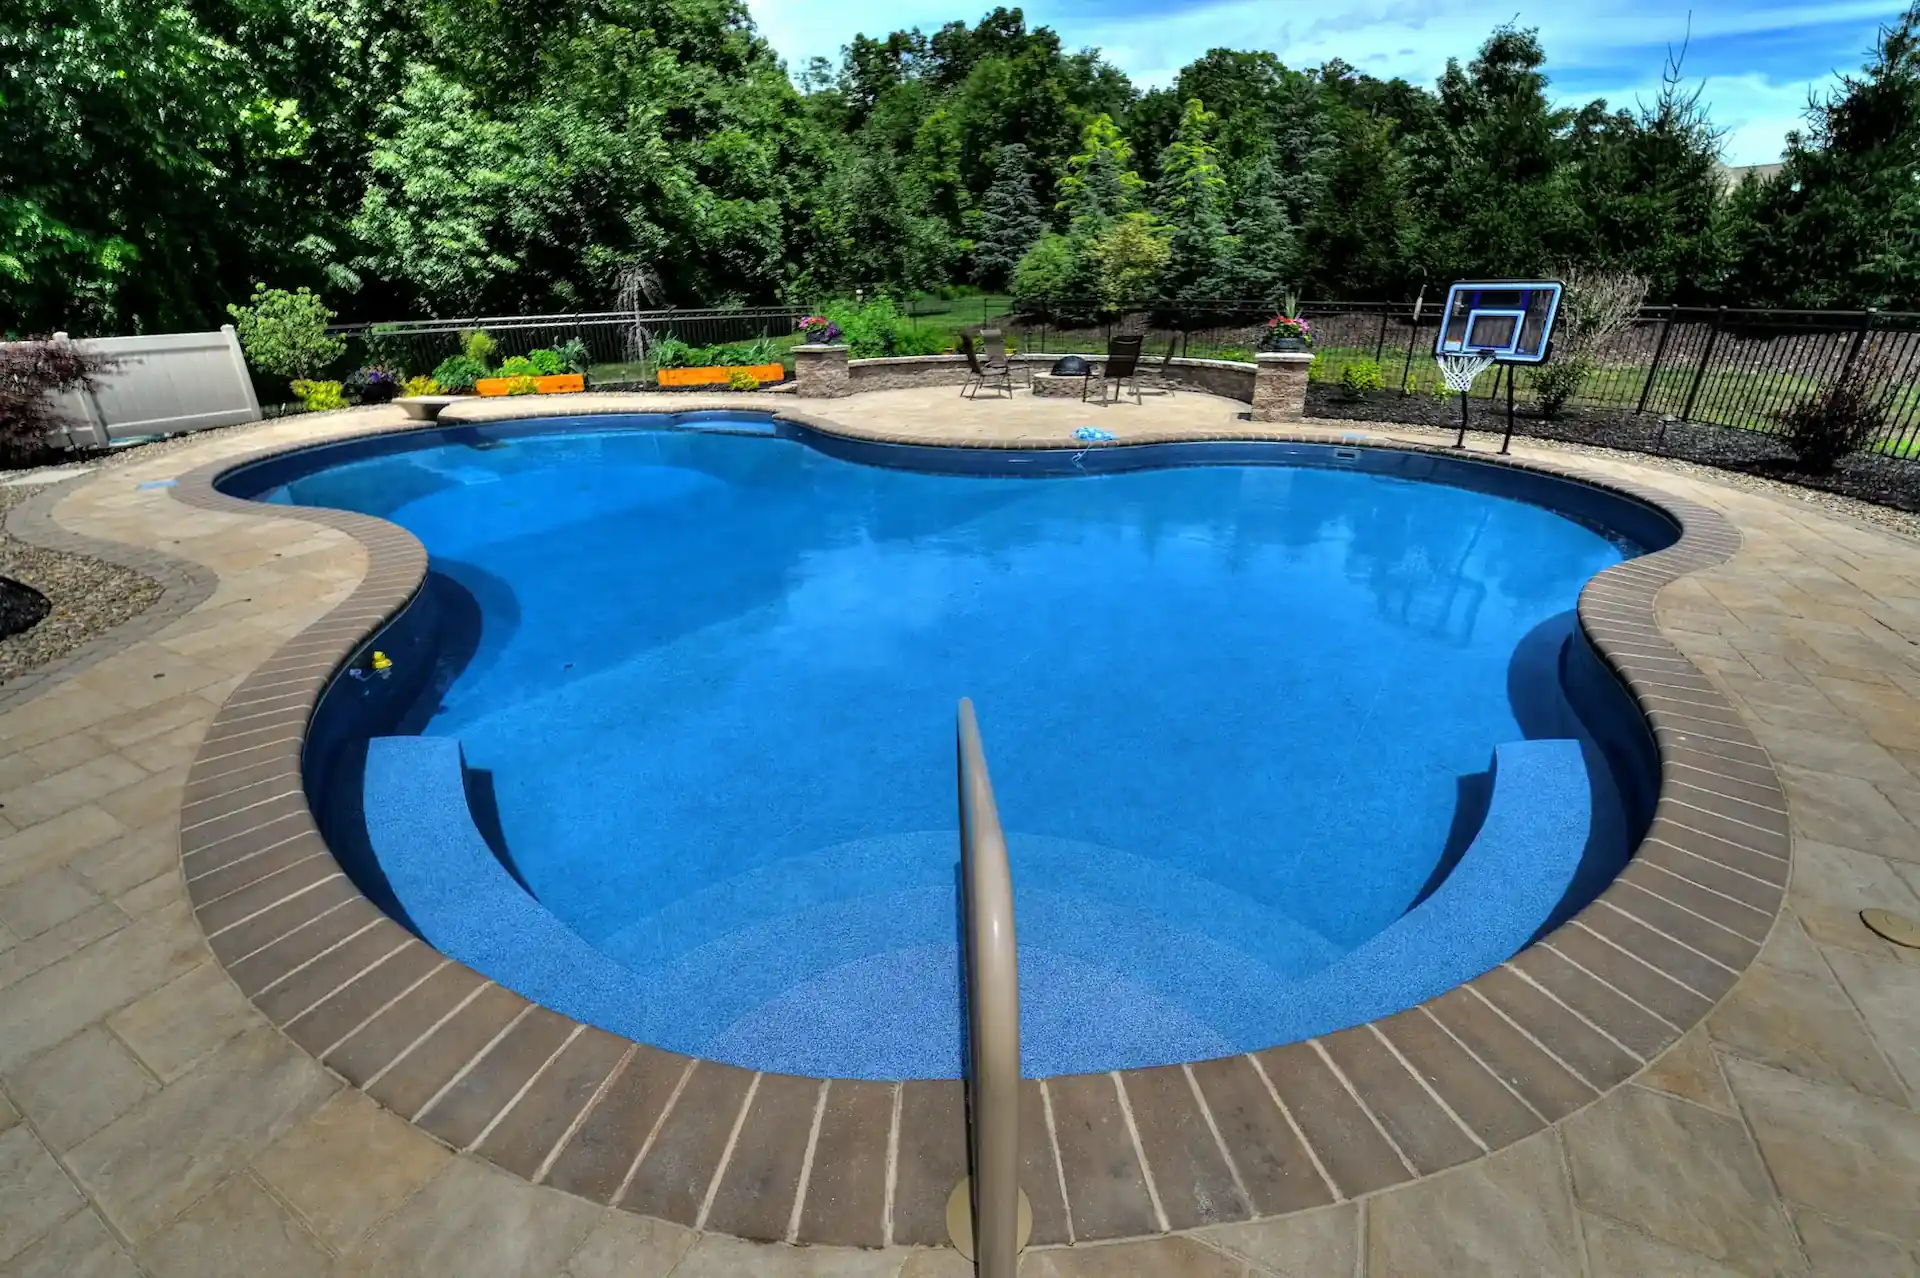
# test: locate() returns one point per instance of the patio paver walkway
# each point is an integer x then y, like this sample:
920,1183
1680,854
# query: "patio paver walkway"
151,1121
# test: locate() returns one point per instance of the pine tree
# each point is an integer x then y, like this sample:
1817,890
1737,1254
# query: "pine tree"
1010,219
1264,266
1100,183
1839,225
1192,198
1357,237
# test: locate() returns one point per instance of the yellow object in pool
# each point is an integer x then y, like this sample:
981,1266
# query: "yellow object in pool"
381,661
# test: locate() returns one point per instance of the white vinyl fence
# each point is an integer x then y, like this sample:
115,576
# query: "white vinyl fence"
161,384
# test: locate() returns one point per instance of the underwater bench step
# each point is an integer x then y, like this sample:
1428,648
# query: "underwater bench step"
459,898
1502,893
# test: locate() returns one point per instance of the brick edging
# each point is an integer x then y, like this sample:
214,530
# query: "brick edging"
718,1147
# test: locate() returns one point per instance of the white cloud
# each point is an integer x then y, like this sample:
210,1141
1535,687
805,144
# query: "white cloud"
1586,43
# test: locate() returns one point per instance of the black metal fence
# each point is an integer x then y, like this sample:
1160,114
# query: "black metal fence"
1727,367
1739,368
618,342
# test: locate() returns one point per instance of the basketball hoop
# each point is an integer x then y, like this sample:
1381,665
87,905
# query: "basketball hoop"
1493,321
1459,369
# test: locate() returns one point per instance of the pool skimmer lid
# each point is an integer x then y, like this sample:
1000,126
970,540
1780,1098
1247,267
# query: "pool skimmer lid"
1894,927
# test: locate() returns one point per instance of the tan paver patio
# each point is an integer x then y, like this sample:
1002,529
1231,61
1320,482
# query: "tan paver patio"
152,1121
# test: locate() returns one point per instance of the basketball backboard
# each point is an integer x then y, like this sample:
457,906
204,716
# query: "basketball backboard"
1510,320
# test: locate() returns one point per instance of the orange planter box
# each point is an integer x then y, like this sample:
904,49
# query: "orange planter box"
717,375
558,384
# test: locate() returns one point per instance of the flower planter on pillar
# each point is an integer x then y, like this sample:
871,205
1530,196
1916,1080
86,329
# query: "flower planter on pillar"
1280,385
821,372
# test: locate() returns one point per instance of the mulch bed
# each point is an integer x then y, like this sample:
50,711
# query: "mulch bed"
21,607
1871,477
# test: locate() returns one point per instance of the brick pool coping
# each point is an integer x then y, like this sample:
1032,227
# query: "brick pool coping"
1112,1155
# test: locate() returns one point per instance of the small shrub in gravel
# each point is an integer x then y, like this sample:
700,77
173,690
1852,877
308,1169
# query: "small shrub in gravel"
1843,418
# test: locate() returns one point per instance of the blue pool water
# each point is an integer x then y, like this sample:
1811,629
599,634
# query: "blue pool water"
1239,719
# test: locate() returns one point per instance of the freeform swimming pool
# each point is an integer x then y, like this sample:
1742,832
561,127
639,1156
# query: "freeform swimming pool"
1240,718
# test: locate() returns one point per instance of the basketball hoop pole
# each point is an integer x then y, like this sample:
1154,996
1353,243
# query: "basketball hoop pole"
1460,441
1507,442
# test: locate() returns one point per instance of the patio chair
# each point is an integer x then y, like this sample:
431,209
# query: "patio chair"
994,343
1165,366
979,373
1122,365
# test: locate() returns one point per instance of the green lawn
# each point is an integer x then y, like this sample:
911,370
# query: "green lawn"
951,315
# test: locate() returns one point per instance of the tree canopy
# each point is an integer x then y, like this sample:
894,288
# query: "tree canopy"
454,157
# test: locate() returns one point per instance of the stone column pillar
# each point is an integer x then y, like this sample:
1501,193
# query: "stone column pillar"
822,372
1280,385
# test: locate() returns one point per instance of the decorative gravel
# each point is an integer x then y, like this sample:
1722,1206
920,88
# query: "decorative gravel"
88,596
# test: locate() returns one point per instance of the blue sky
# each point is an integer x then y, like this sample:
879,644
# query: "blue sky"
1759,58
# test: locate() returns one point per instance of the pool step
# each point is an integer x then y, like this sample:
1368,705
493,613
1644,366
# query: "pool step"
1504,890
455,893
1135,885
1147,972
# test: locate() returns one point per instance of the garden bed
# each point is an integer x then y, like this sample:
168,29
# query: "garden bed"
719,375
1875,477
650,387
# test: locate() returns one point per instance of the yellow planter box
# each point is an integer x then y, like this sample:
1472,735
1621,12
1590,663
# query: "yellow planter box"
558,384
717,375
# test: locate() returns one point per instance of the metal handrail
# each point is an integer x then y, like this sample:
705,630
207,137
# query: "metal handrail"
993,1013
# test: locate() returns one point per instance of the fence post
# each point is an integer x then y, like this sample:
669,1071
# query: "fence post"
1653,369
1380,342
1413,338
1700,373
240,366
1859,339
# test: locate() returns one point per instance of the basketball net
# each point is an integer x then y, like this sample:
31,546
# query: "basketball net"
1458,369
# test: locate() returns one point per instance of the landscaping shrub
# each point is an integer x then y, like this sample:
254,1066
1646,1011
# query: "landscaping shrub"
1361,378
1846,416
540,363
877,330
573,356
319,397
285,334
1597,307
371,386
741,380
458,373
476,345
671,352
523,386
419,386
31,374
